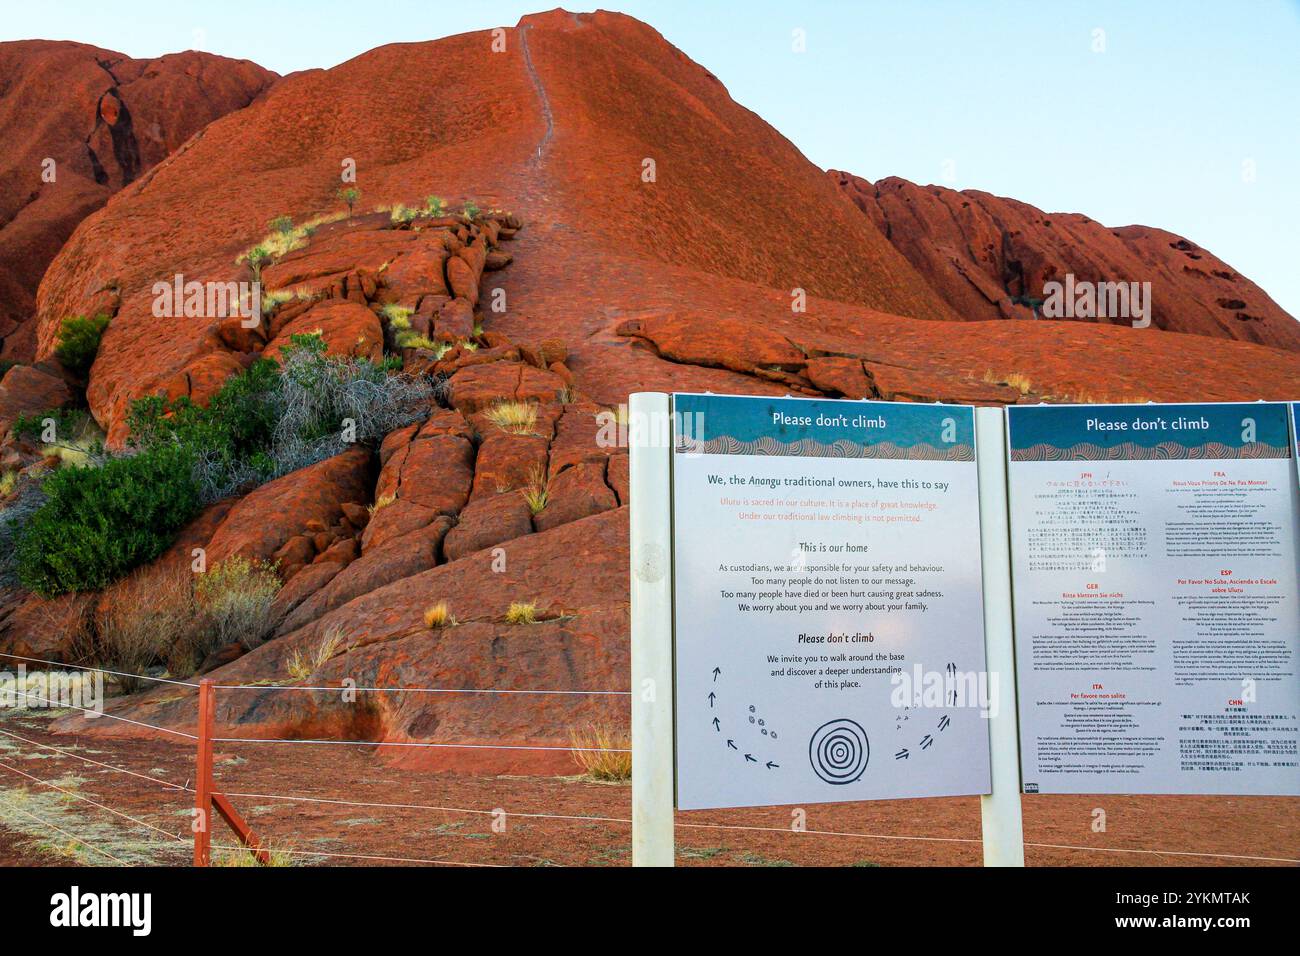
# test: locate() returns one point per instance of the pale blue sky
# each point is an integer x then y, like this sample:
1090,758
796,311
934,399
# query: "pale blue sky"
1007,97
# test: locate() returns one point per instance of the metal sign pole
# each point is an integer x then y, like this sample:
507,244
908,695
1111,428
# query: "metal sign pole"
650,546
1004,836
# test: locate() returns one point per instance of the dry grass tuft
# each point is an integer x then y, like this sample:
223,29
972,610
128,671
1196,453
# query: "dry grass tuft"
399,317
301,666
1019,382
151,617
236,596
594,751
410,339
518,418
401,212
535,492
277,856
521,613
1088,398
439,615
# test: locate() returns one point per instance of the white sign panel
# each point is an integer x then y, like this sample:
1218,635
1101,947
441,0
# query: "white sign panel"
828,614
1157,624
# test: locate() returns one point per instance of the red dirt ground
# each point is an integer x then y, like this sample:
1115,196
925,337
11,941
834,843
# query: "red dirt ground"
1228,831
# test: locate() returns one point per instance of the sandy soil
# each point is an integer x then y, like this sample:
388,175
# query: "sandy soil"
448,817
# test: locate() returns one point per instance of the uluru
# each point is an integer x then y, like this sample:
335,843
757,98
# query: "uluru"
449,262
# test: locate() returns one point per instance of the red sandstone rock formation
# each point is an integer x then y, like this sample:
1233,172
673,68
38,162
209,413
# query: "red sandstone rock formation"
987,257
104,120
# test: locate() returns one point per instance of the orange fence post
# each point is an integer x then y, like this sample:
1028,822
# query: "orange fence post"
203,777
206,799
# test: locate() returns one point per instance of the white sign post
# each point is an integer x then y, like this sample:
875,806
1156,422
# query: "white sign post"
650,482
1004,836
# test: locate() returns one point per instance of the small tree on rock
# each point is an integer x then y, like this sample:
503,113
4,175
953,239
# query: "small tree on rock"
350,195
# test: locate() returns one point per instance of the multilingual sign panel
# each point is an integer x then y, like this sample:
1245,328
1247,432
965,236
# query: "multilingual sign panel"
1155,584
828,612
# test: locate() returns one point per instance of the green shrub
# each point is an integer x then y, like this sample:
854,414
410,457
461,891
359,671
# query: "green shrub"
98,523
79,342
236,426
270,419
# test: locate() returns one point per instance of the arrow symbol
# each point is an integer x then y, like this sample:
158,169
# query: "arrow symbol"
944,722
711,697
771,766
926,741
751,758
902,754
716,672
717,725
732,745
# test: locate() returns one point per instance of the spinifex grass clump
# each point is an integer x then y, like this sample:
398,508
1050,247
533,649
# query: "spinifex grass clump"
521,612
603,752
411,339
303,662
534,492
285,237
438,616
519,418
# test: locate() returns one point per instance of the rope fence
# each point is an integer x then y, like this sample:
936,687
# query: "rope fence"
190,788
326,687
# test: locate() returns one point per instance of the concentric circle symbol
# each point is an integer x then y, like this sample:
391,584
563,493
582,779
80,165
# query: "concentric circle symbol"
839,751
